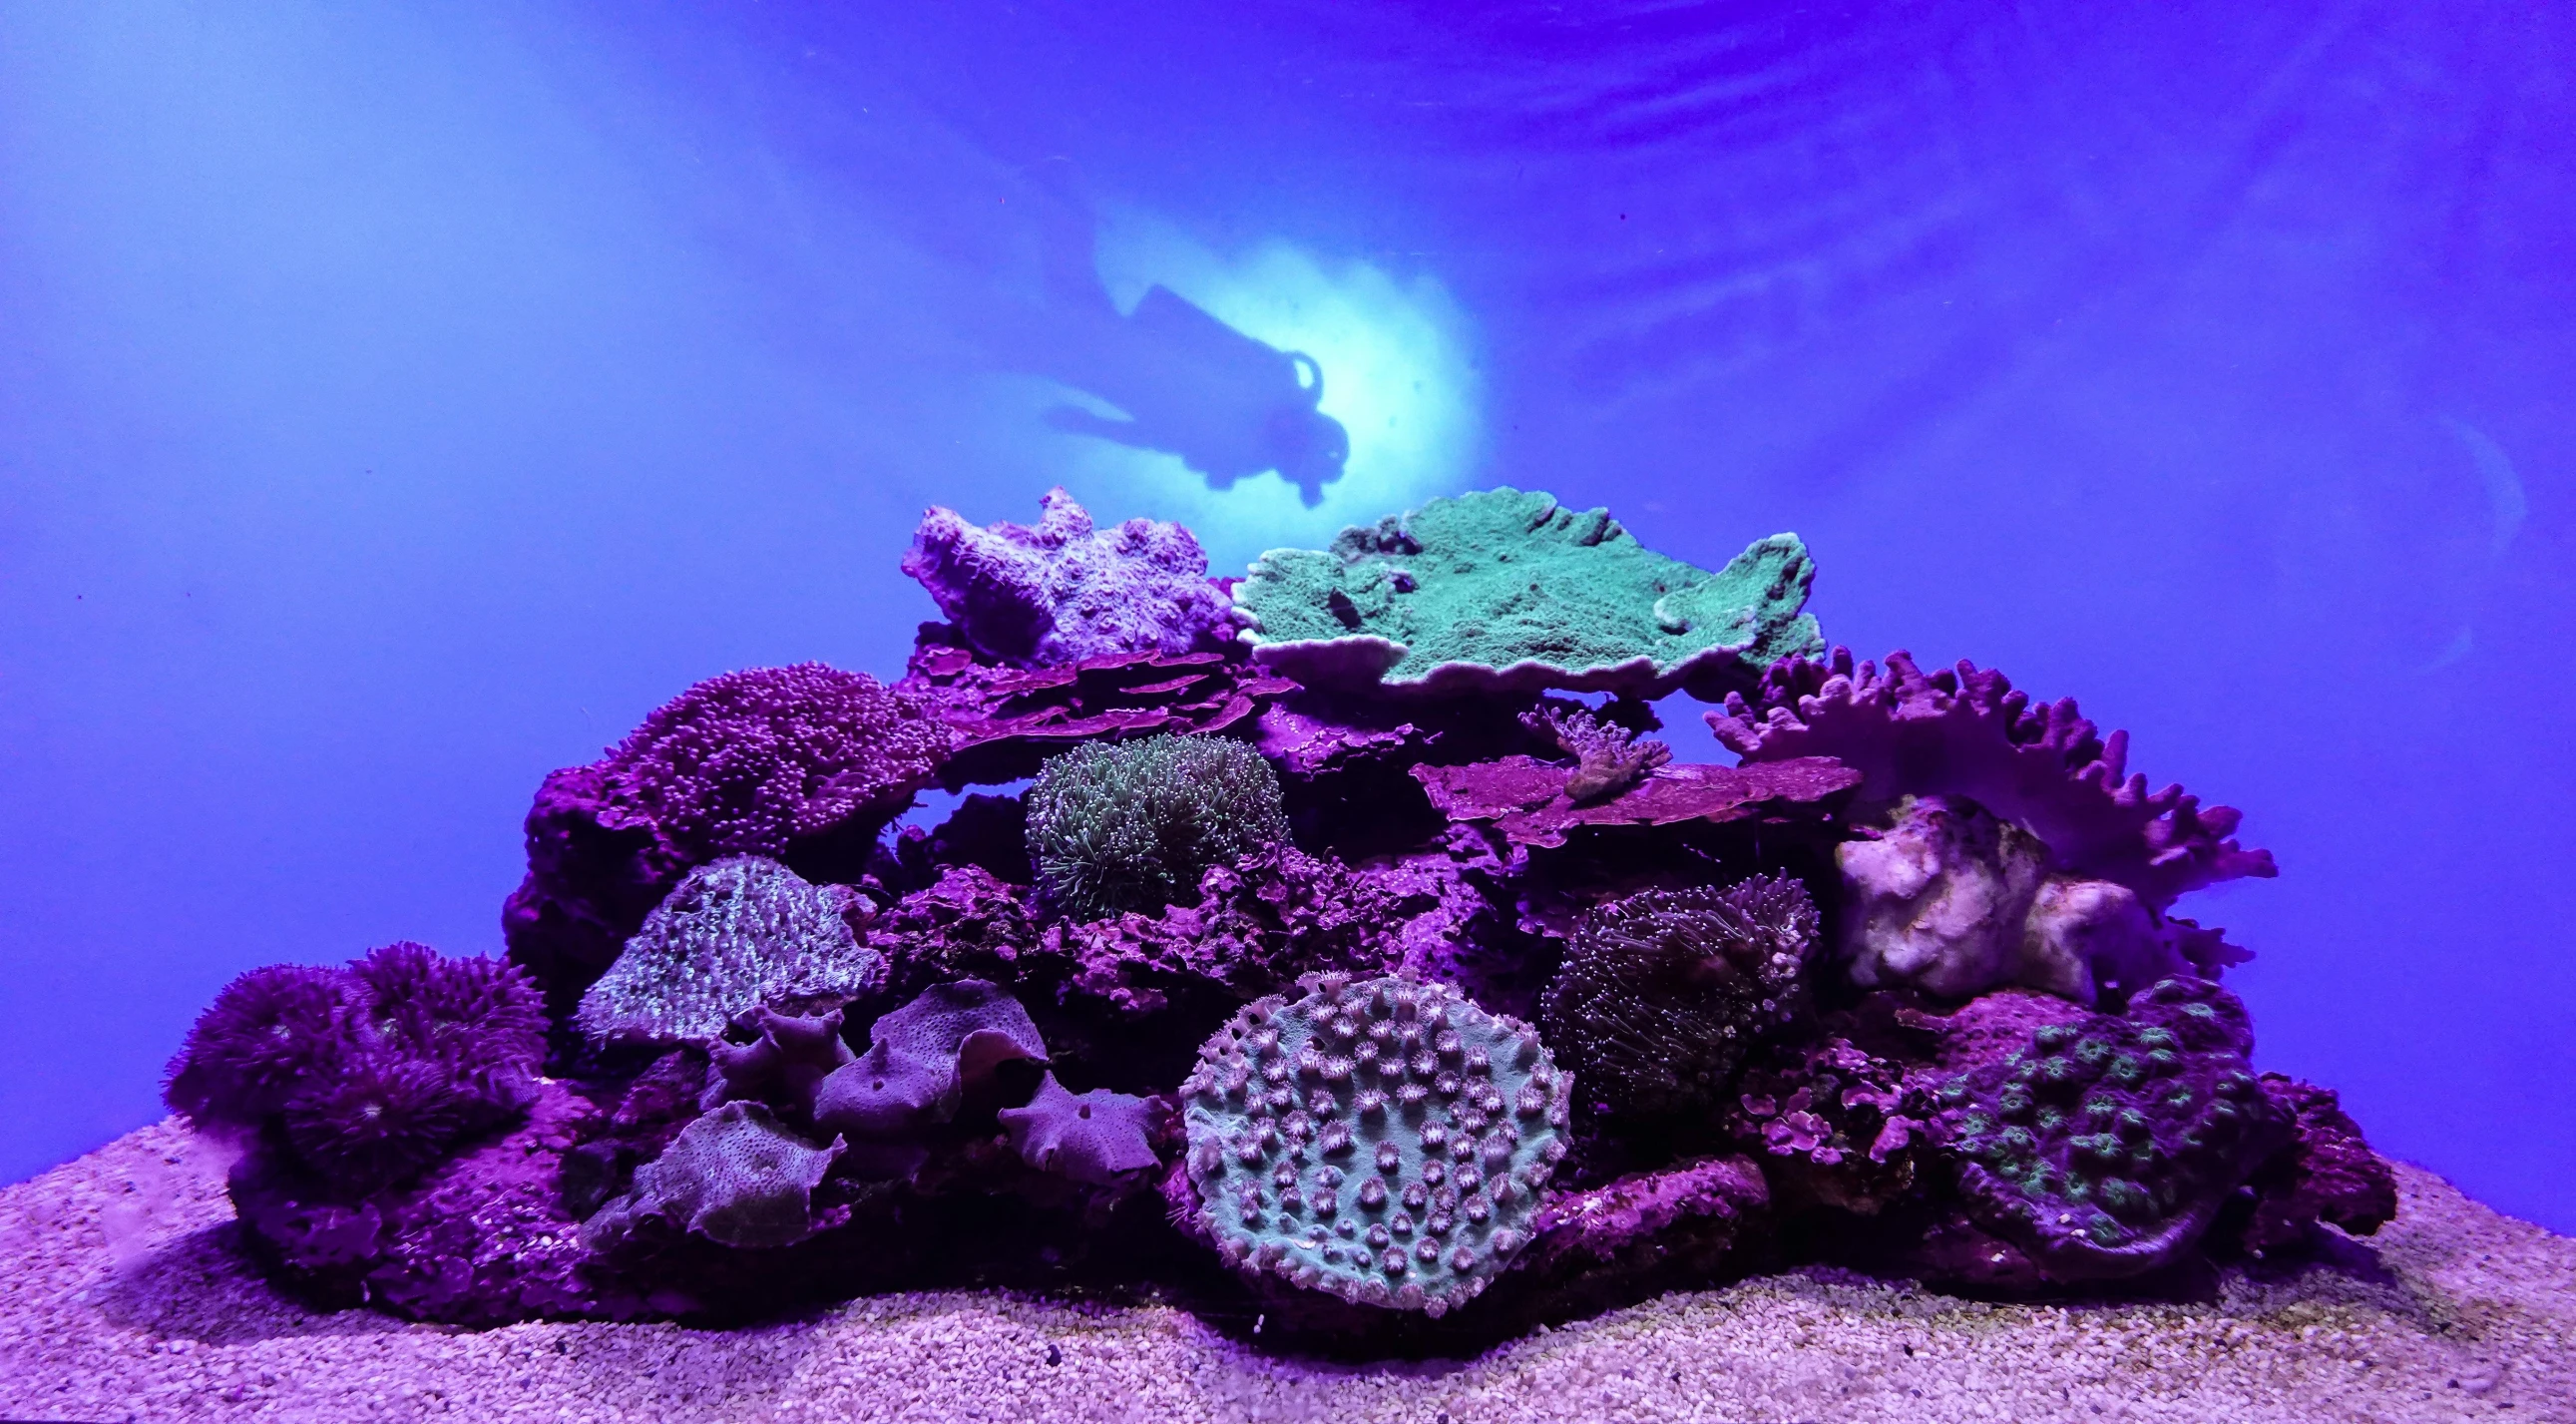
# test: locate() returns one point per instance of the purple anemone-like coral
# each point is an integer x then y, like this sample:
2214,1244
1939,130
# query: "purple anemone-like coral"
1434,1005
363,1076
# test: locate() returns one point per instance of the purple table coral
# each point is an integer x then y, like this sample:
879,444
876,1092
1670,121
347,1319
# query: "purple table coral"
1003,722
1063,591
1528,800
1967,732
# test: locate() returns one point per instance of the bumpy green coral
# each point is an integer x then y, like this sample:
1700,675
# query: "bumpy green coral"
2106,1147
1126,826
1503,589
1386,1141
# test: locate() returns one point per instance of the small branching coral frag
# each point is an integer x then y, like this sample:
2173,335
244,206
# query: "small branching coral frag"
1386,1141
1127,826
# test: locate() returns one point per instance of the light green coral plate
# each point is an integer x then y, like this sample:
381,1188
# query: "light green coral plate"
1510,591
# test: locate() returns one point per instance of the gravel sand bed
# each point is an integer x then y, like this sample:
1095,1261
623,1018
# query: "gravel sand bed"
123,1297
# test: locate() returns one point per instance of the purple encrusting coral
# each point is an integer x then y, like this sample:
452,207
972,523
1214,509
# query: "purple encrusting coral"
2104,1148
1903,990
1064,591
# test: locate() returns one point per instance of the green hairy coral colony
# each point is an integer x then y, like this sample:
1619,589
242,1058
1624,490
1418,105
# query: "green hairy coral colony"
1129,825
1385,1141
1509,587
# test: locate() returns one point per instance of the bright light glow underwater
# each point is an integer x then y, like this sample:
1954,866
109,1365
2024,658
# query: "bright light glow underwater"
1399,374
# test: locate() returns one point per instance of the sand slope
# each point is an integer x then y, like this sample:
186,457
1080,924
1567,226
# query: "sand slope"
122,1297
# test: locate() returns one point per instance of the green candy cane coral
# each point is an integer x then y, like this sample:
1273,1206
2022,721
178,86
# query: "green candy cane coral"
1506,590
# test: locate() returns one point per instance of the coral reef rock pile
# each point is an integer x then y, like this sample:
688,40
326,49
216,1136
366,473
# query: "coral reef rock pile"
1334,954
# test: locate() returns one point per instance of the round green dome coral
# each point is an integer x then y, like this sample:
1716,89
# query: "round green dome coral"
1129,825
1510,590
1386,1141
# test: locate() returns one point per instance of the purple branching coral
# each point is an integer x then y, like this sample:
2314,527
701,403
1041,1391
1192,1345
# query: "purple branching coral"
1064,591
1608,758
1664,993
772,761
1969,733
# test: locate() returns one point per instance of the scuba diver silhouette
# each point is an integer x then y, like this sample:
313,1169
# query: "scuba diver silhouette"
1190,385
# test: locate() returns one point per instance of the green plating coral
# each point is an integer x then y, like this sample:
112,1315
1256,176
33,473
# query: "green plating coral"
1387,1141
1126,826
1511,590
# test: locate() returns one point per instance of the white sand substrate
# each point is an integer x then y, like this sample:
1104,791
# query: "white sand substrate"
124,1297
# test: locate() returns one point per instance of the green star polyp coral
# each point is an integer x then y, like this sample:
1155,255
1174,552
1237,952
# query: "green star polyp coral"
1386,1141
1505,589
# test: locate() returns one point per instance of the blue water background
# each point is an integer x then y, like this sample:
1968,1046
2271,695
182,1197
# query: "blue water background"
397,401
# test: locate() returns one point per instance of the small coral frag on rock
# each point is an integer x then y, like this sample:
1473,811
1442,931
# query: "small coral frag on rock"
1387,1142
1128,826
1663,994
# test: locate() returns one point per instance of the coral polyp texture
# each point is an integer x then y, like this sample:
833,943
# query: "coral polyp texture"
1386,1142
1507,590
802,762
1664,992
734,935
1332,952
1128,826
